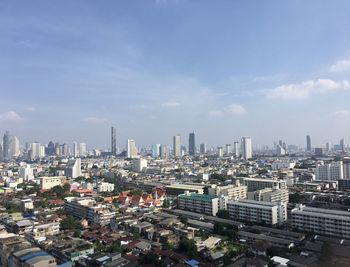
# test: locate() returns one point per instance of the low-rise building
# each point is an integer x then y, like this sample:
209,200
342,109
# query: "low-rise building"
270,195
254,184
46,183
258,211
205,204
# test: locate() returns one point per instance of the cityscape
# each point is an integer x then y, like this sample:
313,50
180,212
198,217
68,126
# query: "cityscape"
174,133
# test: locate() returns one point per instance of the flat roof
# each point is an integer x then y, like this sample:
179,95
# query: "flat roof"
196,196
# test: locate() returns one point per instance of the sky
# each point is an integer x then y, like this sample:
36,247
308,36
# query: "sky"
272,70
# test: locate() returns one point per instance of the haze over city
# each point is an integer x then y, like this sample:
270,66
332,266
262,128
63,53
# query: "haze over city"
267,69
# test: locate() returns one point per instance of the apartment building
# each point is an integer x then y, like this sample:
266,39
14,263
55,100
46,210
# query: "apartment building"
31,257
321,221
205,204
233,192
329,171
257,211
254,184
41,231
46,183
270,195
178,189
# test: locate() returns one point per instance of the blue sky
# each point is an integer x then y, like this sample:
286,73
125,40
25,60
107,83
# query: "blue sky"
155,68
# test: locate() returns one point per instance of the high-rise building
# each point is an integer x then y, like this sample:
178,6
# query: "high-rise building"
14,147
6,146
35,150
73,169
177,145
330,171
164,151
308,143
203,148
228,149
50,149
82,150
236,151
75,150
1,153
342,145
113,141
220,152
192,144
155,150
131,150
280,151
246,145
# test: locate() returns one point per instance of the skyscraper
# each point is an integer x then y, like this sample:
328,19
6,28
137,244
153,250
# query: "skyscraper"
246,147
177,145
203,148
50,149
164,151
342,145
113,141
6,146
75,149
236,151
155,150
192,144
14,147
82,150
228,149
308,143
131,150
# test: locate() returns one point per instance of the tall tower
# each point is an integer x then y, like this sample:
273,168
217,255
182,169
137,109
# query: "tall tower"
342,145
247,151
6,146
75,149
236,151
177,145
308,143
113,141
192,144
131,149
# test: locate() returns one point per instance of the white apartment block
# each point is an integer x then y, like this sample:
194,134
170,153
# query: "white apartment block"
258,211
139,164
204,204
105,187
321,221
270,195
233,192
254,184
278,165
330,171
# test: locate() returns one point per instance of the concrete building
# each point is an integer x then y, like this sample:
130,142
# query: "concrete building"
155,151
46,183
220,152
177,146
177,189
247,150
105,187
192,144
26,173
204,204
257,211
308,143
234,192
228,150
139,165
73,169
254,184
31,257
344,184
131,149
14,147
82,150
113,141
203,148
330,171
164,151
270,195
236,151
327,222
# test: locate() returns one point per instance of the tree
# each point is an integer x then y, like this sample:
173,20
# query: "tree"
166,203
115,247
325,259
136,192
66,187
183,219
188,246
70,223
150,258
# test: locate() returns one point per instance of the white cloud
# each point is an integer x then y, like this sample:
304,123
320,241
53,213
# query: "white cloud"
142,106
95,120
233,109
341,113
31,109
300,91
10,116
340,66
170,104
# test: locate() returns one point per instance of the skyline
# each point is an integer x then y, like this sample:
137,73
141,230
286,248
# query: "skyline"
158,68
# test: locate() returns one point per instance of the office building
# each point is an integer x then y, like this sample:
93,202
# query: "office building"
236,151
73,169
82,150
50,149
280,151
247,150
131,149
308,143
329,171
113,141
220,152
254,184
342,145
155,151
344,184
228,149
192,144
26,173
233,192
14,147
164,152
204,204
177,189
6,146
257,211
35,150
318,151
177,146
139,165
327,222
203,148
75,150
